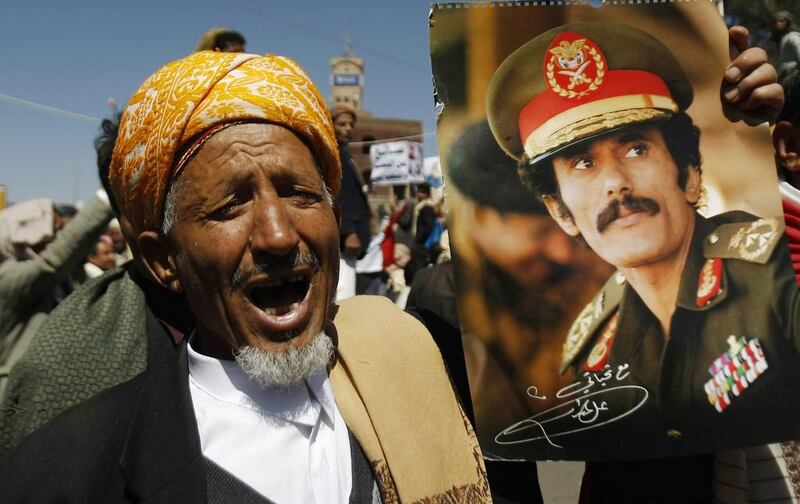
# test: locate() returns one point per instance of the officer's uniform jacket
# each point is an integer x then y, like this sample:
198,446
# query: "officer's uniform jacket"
731,358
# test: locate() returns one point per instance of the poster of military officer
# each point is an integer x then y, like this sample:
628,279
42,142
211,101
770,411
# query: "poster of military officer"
623,277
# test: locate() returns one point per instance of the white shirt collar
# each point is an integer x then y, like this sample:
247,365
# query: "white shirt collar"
225,380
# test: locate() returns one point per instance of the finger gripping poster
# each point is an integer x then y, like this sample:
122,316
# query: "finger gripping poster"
623,276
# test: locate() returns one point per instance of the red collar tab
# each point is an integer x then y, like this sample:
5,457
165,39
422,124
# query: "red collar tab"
599,355
709,283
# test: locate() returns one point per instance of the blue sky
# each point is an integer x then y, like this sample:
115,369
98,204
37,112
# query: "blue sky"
75,55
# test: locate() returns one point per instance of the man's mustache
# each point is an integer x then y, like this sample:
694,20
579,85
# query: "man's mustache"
632,203
271,264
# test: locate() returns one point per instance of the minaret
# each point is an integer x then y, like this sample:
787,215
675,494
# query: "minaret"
347,73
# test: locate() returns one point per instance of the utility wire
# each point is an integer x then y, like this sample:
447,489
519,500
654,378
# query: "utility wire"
396,139
330,36
94,120
48,109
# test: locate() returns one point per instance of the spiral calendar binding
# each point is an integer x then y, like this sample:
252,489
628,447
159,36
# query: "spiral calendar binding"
552,3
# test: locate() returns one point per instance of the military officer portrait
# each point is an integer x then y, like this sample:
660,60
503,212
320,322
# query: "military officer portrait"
692,344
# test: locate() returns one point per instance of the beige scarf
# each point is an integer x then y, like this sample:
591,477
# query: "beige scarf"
392,389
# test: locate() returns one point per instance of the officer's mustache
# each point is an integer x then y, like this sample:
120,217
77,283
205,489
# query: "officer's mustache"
632,203
271,264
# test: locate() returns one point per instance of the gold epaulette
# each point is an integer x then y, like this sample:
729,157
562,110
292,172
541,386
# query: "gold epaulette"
591,318
752,241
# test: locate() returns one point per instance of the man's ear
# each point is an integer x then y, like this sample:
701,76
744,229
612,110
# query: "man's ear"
787,146
555,208
694,185
158,260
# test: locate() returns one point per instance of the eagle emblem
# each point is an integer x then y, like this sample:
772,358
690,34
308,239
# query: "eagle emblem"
574,66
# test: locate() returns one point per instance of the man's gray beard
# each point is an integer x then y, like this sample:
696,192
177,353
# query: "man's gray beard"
285,369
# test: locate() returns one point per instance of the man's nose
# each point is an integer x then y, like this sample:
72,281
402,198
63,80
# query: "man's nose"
273,231
616,179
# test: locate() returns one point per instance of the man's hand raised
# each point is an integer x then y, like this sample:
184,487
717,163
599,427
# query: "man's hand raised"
750,91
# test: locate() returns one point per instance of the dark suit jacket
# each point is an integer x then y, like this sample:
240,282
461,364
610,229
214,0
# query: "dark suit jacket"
355,208
136,442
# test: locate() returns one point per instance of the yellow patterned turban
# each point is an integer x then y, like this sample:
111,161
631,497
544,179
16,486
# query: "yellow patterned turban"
187,97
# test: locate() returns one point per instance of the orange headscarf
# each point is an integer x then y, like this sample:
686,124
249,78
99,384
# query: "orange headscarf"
187,97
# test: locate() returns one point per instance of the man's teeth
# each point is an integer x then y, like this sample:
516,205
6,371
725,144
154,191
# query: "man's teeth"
283,310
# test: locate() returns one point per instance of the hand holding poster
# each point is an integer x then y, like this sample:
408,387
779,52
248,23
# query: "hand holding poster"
624,281
396,163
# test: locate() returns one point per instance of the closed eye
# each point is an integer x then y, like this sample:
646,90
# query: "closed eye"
302,197
231,208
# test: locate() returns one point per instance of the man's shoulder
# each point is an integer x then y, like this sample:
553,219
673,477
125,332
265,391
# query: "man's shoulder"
109,306
373,317
744,237
76,452
69,359
93,417
372,327
592,318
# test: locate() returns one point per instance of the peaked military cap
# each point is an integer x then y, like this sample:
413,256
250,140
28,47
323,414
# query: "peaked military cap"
579,81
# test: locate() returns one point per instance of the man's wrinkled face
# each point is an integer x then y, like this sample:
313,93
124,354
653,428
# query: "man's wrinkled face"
343,126
532,249
624,199
781,25
256,240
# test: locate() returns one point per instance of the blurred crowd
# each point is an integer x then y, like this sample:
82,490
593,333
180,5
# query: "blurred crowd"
383,243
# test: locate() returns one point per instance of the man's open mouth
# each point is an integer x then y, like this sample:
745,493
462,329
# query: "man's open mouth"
278,295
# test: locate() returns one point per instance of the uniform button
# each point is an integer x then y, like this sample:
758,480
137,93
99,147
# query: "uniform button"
713,238
674,433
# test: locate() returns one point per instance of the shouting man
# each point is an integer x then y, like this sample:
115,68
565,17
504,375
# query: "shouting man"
226,169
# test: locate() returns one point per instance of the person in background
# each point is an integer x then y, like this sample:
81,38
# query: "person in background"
421,218
424,214
523,280
69,357
122,253
37,257
103,146
101,259
66,212
355,214
785,34
222,40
